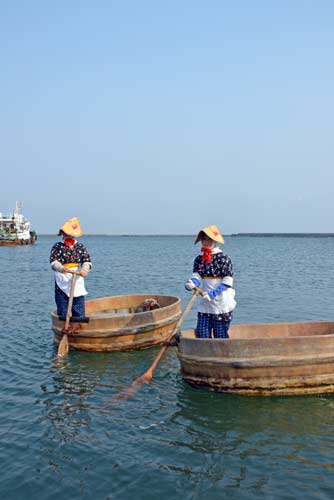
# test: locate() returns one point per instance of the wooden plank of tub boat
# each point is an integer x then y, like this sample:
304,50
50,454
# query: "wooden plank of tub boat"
116,325
262,359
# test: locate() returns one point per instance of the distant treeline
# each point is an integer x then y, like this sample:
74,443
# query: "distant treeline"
287,235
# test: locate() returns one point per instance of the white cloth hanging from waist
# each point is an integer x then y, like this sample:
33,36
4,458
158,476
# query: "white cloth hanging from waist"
64,281
224,302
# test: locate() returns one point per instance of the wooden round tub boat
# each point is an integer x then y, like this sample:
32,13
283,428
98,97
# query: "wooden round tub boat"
262,359
122,323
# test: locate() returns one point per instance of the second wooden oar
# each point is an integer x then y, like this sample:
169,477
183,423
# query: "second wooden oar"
63,346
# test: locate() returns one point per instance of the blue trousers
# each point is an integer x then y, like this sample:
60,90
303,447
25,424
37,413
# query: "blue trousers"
207,323
78,306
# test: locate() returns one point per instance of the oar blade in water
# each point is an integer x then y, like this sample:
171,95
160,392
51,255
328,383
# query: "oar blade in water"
63,346
148,375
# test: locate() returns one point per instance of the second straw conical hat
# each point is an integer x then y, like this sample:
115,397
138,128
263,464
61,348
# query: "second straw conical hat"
213,233
71,227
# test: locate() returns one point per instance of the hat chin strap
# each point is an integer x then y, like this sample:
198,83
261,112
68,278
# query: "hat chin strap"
206,255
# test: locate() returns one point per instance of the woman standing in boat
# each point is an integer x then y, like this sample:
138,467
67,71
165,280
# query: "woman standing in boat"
213,272
68,256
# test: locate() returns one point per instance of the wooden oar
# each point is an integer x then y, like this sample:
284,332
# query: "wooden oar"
147,376
63,346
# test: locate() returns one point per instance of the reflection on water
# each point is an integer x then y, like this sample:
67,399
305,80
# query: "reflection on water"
61,439
200,442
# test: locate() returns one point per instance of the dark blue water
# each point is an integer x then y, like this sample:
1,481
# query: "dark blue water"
61,437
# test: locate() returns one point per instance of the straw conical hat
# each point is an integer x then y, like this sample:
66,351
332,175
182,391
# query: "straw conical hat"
213,233
71,227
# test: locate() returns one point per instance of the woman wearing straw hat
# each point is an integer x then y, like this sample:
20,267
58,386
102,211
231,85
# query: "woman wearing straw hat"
213,273
67,256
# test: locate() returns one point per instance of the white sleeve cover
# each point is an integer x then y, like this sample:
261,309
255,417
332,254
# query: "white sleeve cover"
57,266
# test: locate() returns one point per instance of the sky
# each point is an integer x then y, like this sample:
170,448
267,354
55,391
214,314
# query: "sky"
167,116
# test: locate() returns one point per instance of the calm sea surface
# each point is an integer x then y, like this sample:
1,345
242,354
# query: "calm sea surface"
60,440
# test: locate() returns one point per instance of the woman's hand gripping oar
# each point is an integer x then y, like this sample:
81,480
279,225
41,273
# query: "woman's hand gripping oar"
147,376
63,346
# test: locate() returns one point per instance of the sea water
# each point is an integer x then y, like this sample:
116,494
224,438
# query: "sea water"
64,433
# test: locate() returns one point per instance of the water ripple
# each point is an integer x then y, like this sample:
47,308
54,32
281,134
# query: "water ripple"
65,433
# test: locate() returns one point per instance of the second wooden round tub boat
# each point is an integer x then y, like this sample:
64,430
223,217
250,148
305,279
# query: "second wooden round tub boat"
122,323
262,359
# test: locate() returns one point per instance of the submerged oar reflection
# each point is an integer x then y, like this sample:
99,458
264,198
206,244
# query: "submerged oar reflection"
63,346
148,375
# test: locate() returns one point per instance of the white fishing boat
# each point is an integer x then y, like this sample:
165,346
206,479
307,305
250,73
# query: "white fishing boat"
15,228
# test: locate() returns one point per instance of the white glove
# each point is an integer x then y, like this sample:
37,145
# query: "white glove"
206,296
189,285
193,282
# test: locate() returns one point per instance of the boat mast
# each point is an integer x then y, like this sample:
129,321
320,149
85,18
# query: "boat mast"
18,207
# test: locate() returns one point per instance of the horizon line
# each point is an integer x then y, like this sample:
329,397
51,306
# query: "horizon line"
194,234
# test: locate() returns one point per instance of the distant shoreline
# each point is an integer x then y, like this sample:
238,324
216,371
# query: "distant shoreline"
286,235
127,235
252,235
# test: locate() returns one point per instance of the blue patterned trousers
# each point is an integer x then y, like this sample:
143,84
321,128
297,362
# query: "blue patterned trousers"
78,306
207,323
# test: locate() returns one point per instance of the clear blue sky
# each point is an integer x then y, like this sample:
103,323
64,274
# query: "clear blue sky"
166,116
